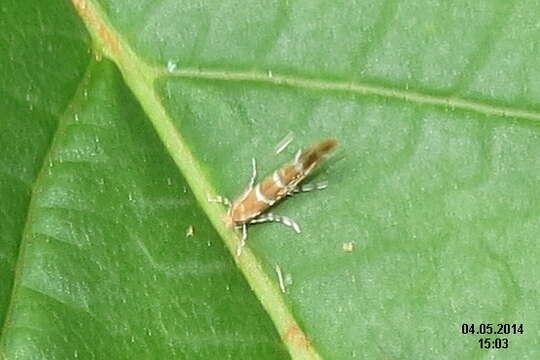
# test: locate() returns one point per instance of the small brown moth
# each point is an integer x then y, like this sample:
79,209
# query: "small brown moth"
252,206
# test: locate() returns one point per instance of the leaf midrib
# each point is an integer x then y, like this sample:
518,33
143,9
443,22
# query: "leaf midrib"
140,77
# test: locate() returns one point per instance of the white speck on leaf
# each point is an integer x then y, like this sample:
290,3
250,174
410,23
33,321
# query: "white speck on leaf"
348,246
171,66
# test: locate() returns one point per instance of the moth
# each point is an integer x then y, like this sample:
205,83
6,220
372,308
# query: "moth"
253,205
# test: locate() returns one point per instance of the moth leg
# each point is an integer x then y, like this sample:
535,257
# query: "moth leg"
242,241
308,187
269,217
219,199
297,156
251,181
253,174
282,145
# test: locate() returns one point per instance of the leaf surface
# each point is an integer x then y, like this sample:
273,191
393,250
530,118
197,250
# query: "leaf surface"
120,137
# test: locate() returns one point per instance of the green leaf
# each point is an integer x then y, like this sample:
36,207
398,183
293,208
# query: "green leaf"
114,135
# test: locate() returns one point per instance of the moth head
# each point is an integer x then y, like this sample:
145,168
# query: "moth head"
228,220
